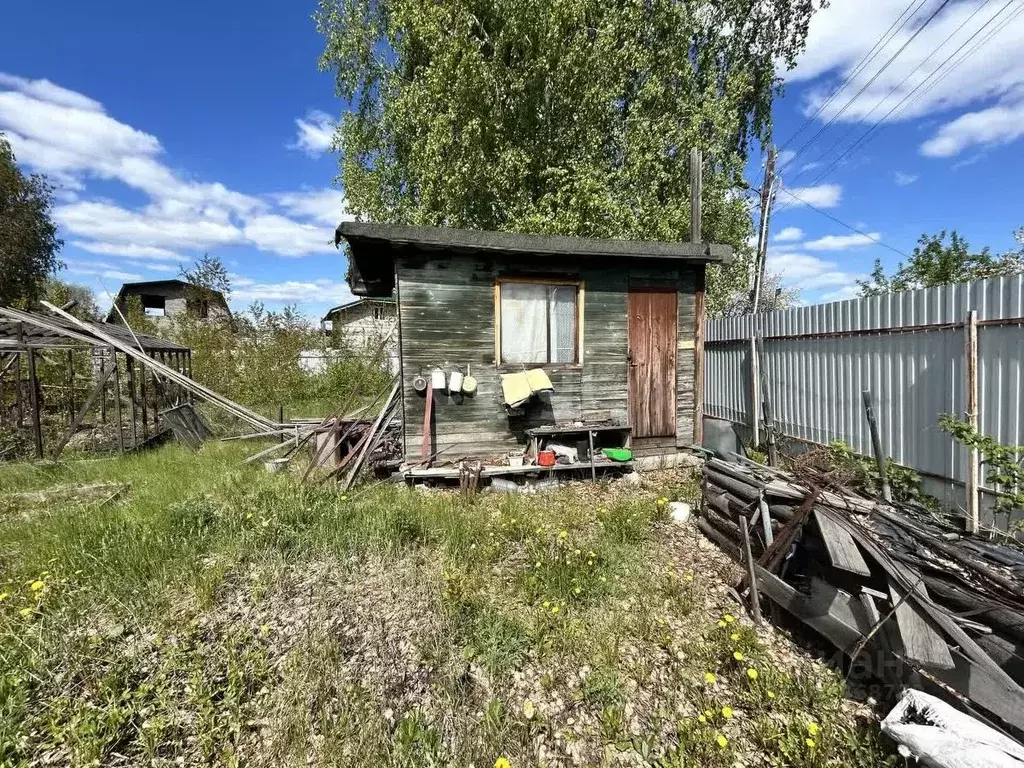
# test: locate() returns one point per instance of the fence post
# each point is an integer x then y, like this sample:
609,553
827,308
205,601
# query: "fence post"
876,444
755,395
971,369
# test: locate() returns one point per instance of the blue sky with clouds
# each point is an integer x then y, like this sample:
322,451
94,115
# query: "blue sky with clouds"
174,129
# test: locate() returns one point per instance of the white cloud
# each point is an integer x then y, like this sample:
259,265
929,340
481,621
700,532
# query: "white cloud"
784,158
133,251
998,124
903,179
70,137
320,291
789,235
284,236
315,133
820,196
150,266
842,242
843,33
101,270
840,294
806,272
324,206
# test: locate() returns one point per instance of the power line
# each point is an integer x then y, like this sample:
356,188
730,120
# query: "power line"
906,77
850,227
866,85
866,59
870,132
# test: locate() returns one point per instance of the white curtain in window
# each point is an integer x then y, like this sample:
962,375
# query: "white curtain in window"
524,323
562,325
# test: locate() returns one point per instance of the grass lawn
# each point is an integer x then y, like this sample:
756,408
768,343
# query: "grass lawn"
215,614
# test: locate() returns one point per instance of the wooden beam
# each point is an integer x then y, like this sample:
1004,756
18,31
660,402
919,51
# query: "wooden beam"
876,444
77,420
33,395
748,557
842,549
755,396
698,358
117,400
131,400
973,466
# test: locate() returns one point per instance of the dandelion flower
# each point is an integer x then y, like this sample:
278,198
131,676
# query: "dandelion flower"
528,709
264,629
502,762
734,636
3,596
564,534
708,713
662,501
737,655
537,564
811,744
726,712
752,673
25,611
554,609
729,618
812,728
689,576
771,694
540,530
710,678
590,562
722,741
701,719
547,603
721,623
579,551
603,579
37,585
344,497
577,590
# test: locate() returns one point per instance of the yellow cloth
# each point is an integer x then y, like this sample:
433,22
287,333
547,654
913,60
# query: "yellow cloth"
517,388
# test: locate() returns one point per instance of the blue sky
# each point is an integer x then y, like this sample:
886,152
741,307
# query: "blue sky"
175,129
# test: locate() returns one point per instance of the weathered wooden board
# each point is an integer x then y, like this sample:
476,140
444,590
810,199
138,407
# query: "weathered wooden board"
921,643
652,362
842,549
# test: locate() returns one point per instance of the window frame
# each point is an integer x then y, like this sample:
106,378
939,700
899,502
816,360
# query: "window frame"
549,281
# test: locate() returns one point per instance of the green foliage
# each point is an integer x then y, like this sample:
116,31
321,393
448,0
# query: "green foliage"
933,262
59,293
571,117
28,235
861,473
1003,468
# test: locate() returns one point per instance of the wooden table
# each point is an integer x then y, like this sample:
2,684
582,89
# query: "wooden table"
577,429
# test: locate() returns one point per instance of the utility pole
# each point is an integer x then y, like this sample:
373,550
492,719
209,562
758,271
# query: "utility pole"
767,200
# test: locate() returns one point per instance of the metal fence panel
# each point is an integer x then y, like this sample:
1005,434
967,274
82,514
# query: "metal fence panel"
907,348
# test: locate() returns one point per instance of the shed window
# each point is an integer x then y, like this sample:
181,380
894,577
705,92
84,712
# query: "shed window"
538,323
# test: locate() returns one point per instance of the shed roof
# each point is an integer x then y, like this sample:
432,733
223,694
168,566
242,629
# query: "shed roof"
20,330
373,247
357,302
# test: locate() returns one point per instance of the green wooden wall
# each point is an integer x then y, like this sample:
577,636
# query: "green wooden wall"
446,312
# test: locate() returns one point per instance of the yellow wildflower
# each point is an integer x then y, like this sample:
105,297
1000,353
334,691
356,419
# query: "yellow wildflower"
708,713
722,741
752,673
729,618
579,551
662,501
603,579
25,611
771,694
721,623
37,585
710,678
590,562
537,564
344,497
701,719
737,655
564,534
726,712
577,590
812,728
554,609
3,596
547,603
528,709
734,636
811,744
689,576
502,762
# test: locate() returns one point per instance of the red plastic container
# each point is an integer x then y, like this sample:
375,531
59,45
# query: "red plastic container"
546,458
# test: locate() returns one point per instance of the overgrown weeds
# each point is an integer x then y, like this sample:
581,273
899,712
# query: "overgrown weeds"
218,615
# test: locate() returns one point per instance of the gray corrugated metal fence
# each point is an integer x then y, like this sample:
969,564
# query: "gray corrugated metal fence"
907,348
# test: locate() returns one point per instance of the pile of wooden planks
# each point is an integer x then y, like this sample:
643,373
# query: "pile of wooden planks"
902,593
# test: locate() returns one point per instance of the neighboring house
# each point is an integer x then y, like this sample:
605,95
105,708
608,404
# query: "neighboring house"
361,322
165,299
616,325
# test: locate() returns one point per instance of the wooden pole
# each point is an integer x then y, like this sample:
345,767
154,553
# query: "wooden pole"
131,400
755,395
71,386
696,175
748,558
142,401
117,400
33,394
876,444
19,407
766,404
767,198
103,398
973,466
280,419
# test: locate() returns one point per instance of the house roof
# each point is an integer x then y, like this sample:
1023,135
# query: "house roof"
373,247
358,302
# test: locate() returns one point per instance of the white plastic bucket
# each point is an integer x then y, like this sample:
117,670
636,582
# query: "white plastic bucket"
437,379
455,381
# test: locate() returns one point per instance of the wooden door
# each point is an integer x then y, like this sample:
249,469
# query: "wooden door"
652,363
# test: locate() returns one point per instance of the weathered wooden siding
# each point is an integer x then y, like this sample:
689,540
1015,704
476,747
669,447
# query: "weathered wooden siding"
446,306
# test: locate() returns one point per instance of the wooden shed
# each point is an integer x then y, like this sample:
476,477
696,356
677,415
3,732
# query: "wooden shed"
616,325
